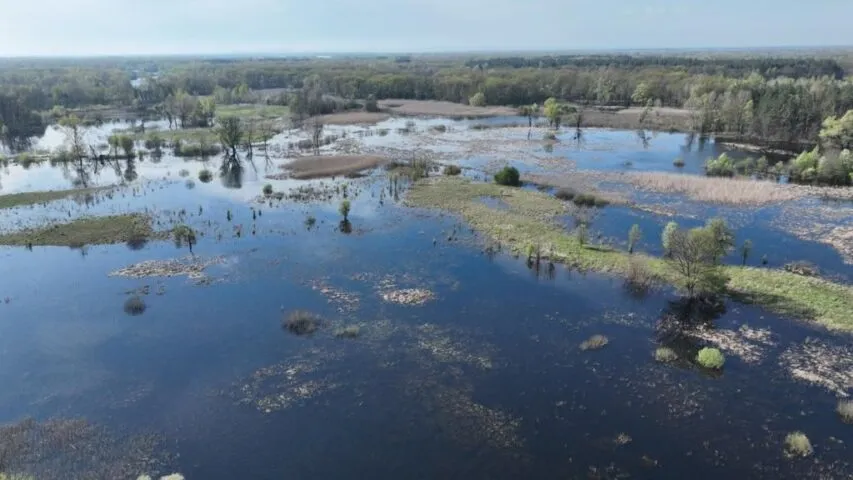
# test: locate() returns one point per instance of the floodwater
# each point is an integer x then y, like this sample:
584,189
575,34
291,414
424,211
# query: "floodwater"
485,380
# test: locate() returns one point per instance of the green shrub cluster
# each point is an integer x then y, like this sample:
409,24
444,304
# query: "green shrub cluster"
508,176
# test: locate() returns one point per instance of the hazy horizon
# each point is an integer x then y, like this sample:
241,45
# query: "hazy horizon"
53,28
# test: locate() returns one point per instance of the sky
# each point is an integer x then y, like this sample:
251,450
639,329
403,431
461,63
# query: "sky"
140,27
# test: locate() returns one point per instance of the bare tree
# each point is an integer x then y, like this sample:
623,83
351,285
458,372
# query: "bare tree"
230,132
316,127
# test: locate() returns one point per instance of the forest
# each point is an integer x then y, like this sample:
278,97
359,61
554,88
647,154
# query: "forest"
762,100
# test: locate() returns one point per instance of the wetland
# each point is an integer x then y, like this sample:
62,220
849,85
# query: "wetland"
247,325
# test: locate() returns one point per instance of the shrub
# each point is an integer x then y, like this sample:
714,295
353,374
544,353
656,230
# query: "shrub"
797,444
508,176
584,200
267,189
452,170
351,331
310,221
565,194
721,166
134,306
549,137
845,410
802,267
639,279
205,176
477,100
665,355
678,162
594,342
746,166
711,358
183,172
301,323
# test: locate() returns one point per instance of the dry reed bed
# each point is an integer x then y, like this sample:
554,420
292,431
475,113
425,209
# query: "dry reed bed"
317,166
441,109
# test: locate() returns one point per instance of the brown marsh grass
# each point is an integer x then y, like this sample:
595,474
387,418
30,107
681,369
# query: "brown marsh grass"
441,109
317,166
734,191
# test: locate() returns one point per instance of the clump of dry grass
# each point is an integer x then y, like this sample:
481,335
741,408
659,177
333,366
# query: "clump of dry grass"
845,410
797,444
317,166
639,278
594,342
734,191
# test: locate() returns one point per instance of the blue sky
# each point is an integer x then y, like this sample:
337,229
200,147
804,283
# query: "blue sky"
107,27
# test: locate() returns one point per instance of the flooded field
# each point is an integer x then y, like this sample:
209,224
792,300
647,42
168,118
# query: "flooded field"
292,340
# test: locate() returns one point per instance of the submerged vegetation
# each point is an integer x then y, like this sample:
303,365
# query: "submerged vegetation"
301,323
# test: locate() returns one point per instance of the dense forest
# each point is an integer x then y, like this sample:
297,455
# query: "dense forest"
763,99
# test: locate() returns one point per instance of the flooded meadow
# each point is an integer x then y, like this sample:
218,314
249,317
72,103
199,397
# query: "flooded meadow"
293,338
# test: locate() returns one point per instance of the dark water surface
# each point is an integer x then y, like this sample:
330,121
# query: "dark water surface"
487,380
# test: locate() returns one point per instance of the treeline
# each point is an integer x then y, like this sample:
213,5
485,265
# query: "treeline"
741,97
768,67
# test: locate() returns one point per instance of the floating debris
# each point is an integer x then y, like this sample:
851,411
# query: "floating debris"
193,267
815,362
346,302
409,296
75,448
441,347
286,384
734,342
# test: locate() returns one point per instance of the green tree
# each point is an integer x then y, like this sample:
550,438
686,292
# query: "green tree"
723,238
666,238
634,235
477,100
837,132
344,209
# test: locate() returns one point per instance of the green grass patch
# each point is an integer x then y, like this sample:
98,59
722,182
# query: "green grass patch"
35,198
84,231
529,221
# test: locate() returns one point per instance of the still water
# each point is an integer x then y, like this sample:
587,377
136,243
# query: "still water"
487,380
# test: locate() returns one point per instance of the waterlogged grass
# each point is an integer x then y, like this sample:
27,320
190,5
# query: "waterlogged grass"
35,198
84,231
528,220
